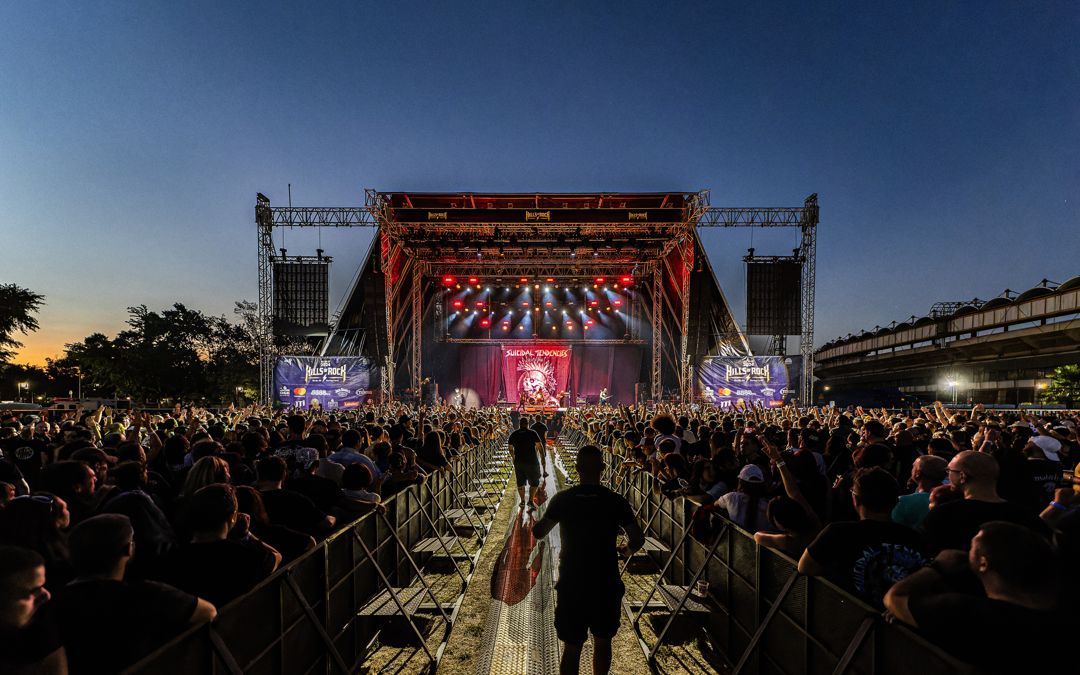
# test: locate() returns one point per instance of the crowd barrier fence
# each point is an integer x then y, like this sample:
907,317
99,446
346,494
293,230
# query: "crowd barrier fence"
304,619
770,619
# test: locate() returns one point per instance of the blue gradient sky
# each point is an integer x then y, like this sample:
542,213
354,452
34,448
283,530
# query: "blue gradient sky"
943,141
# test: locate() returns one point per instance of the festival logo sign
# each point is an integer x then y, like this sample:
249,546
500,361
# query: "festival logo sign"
735,381
322,382
536,375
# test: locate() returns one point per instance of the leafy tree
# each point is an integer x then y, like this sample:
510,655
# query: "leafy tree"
17,308
177,353
1064,385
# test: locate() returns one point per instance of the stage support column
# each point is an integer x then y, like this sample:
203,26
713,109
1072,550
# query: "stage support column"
685,381
657,330
417,299
388,382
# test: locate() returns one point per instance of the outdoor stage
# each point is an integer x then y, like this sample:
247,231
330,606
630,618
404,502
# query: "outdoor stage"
495,296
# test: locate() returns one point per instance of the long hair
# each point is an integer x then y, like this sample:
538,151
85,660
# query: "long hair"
207,471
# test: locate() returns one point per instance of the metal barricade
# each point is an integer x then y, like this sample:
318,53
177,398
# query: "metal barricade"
305,617
771,619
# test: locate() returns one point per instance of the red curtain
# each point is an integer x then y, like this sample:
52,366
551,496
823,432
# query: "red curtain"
479,371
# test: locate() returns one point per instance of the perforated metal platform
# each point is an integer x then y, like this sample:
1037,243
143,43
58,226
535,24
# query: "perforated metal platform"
519,637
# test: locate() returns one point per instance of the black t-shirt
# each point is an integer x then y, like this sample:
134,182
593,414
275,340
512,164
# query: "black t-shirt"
1042,479
289,543
589,518
952,525
541,430
108,625
293,510
219,571
324,492
867,557
22,649
998,636
524,442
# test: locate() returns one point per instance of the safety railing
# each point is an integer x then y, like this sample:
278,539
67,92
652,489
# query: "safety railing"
769,618
306,617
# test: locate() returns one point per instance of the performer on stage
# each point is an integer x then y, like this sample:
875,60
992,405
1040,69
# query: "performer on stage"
604,397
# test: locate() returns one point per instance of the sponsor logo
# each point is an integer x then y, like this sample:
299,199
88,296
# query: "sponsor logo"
350,404
745,371
537,215
319,392
332,403
324,372
638,215
341,393
299,391
723,391
283,392
768,391
436,215
744,392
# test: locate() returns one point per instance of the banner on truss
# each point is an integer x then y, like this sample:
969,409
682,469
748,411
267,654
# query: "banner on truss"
537,374
733,382
331,382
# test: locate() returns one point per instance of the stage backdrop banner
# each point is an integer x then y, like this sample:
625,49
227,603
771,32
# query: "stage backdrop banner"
535,371
731,382
328,382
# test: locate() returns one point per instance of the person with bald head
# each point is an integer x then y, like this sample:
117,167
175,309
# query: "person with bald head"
952,525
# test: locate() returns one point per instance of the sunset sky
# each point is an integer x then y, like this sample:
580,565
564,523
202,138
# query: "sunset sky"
941,138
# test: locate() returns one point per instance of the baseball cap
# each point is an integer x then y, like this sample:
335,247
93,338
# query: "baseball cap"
751,473
1049,447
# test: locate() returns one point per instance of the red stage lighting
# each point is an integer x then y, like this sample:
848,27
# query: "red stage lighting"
550,279
448,281
458,304
549,303
524,280
617,303
599,280
594,303
626,280
473,280
484,323
525,304
479,303
590,322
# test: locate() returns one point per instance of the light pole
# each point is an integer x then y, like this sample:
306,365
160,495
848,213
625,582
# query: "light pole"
78,373
240,395
1038,388
952,385
24,387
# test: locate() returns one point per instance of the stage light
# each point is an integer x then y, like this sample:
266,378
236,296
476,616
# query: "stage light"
458,304
617,303
477,286
616,286
458,287
594,303
590,322
595,286
473,280
525,304
599,280
448,281
521,327
550,279
549,303
627,280
537,287
537,309
484,323
524,280
547,289
609,308
479,303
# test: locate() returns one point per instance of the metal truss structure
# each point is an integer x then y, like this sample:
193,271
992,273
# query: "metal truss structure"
806,219
652,236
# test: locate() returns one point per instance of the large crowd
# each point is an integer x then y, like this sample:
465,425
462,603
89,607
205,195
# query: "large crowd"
962,524
120,529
